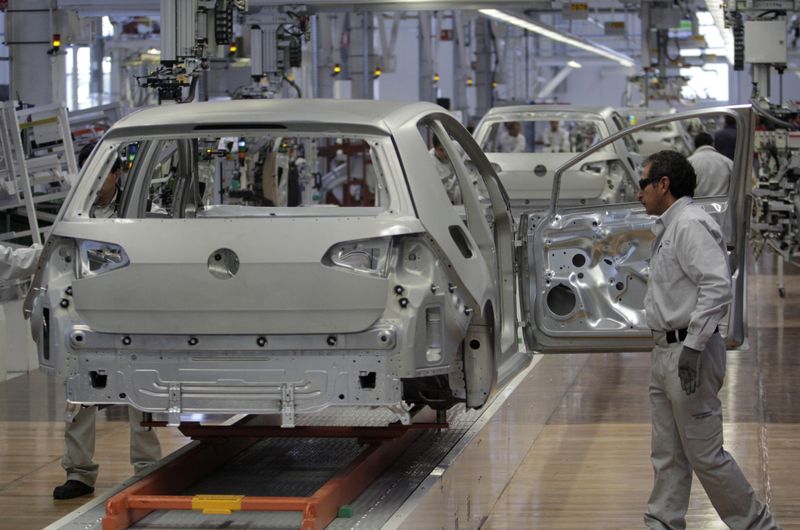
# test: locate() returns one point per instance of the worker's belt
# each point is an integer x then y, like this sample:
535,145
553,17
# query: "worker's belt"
679,335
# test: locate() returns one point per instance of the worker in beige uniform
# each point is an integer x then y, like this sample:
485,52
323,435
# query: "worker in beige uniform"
79,431
689,291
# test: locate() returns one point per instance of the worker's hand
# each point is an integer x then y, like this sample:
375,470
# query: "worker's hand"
689,369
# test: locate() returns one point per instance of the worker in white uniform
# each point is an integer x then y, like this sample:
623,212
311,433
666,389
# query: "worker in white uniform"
16,263
445,170
79,433
556,139
688,292
510,138
713,169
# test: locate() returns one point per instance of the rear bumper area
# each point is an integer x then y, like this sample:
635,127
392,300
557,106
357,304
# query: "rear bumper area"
235,375
285,383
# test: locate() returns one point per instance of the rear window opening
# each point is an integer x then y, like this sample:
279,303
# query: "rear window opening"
543,135
243,173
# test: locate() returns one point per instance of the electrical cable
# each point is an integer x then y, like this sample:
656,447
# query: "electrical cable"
768,116
294,85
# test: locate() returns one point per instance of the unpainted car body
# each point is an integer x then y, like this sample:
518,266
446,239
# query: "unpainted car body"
606,176
209,289
671,135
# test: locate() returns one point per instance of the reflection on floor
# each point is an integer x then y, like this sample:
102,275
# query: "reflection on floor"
589,468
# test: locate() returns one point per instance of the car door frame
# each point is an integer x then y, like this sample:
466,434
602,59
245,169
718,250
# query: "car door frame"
533,245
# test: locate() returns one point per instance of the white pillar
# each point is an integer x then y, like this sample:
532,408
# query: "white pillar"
483,72
362,56
29,31
323,46
426,88
460,64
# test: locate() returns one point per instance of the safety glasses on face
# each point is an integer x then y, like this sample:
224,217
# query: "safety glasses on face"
643,183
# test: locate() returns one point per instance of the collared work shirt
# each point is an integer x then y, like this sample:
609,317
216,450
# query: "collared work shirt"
556,141
690,284
18,262
713,171
510,144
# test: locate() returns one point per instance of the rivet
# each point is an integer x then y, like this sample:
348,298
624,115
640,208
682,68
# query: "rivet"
261,341
64,303
193,341
126,340
331,340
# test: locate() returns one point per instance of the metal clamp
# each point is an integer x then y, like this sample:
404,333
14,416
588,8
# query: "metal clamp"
287,405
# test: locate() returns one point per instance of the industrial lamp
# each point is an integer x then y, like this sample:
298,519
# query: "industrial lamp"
556,35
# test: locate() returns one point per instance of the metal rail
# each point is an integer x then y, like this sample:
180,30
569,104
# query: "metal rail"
222,443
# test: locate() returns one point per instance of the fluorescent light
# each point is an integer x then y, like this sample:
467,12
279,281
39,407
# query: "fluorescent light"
574,64
718,15
691,52
552,33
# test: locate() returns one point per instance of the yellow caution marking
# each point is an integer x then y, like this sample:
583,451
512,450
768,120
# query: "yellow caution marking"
217,504
34,123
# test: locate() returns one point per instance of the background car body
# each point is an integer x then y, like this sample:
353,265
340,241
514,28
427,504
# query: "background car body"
528,176
672,135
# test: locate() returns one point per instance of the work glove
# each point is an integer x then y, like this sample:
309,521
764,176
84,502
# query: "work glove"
689,369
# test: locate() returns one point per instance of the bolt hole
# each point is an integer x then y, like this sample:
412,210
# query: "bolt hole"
122,395
341,396
475,344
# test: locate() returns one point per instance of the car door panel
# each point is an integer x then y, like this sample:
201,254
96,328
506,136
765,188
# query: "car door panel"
584,270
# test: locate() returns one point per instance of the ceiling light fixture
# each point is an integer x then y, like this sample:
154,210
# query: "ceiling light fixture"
574,64
552,33
718,15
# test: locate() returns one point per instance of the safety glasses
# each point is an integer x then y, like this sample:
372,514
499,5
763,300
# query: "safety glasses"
643,183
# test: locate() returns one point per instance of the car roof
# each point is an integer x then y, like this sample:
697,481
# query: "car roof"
501,112
382,115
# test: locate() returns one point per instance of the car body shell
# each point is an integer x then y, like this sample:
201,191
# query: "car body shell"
671,135
286,332
606,177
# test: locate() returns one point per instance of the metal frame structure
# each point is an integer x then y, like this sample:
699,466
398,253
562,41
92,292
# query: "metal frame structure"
21,173
158,491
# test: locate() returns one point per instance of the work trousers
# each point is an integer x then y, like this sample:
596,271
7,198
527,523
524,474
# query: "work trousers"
687,436
79,438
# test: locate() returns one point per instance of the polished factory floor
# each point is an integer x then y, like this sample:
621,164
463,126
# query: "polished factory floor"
588,469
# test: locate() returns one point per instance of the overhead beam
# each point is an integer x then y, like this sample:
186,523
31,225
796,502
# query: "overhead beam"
151,7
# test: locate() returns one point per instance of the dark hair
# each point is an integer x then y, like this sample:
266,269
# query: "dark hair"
84,153
730,120
682,178
703,138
